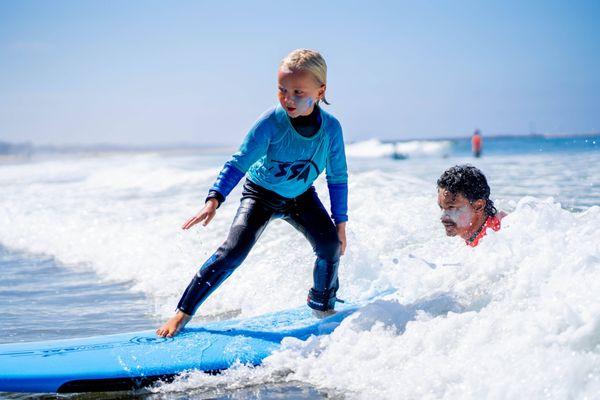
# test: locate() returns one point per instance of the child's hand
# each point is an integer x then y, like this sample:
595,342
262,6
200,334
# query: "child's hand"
205,215
341,231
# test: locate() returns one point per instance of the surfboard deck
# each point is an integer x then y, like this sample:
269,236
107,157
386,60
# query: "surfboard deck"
133,360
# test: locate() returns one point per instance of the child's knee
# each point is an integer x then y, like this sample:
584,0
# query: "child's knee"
227,257
329,248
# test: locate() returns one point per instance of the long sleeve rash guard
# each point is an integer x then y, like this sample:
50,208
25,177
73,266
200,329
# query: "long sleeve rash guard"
275,156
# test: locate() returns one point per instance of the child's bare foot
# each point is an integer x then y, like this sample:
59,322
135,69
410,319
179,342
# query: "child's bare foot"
174,325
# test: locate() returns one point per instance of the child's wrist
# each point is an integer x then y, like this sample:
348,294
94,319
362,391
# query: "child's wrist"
215,195
214,203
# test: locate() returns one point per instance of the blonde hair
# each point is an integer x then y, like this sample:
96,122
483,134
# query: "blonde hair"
307,60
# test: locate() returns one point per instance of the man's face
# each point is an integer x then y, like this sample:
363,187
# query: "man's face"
458,214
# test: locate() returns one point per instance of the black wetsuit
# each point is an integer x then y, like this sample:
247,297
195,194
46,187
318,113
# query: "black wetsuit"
258,206
308,125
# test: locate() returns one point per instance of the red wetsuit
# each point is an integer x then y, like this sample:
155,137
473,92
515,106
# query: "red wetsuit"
492,222
476,144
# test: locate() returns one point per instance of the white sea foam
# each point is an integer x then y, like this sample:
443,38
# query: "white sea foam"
370,148
414,148
516,317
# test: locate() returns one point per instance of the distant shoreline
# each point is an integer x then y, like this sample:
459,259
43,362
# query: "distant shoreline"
496,136
23,151
27,150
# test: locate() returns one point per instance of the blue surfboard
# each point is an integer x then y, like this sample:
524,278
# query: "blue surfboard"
134,360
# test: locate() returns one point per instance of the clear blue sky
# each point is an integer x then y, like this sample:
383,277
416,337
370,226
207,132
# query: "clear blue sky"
201,72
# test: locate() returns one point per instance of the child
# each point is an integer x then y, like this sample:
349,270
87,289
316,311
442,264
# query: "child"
284,152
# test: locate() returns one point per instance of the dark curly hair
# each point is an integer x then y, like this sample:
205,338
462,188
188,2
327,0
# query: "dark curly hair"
470,182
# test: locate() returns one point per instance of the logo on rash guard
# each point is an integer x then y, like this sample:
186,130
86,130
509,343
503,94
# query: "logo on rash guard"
299,169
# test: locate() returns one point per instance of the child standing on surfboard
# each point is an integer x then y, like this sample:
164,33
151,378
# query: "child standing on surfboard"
284,152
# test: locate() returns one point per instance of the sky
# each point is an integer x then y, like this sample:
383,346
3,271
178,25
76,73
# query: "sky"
196,72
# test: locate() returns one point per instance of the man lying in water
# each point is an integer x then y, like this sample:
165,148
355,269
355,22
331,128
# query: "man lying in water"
464,198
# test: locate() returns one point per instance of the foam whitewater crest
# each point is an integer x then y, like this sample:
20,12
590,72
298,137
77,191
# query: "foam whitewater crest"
517,317
238,376
375,148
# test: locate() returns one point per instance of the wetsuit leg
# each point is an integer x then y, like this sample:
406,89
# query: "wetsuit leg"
309,217
250,221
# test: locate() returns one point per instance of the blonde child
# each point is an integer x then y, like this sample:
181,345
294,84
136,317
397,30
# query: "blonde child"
284,152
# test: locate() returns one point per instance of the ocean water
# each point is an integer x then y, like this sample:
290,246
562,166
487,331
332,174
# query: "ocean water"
42,300
92,244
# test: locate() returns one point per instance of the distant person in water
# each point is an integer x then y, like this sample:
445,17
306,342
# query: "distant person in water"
285,151
464,198
476,143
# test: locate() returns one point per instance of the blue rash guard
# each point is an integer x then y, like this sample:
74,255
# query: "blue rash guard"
278,158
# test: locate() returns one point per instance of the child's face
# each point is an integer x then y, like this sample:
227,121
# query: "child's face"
298,91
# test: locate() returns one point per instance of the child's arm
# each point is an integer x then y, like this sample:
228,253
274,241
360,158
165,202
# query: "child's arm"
254,146
337,183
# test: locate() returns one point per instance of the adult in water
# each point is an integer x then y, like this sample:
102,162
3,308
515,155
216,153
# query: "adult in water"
476,143
467,210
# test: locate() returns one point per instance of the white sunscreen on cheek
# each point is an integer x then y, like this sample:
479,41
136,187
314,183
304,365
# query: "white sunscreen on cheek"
303,104
460,216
